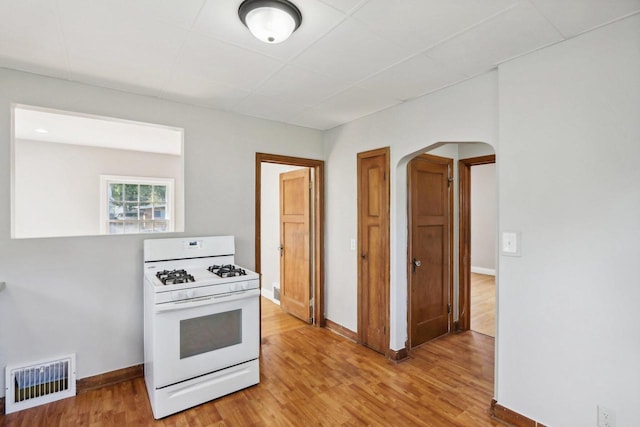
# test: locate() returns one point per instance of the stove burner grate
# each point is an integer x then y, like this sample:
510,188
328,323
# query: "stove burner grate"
174,277
227,270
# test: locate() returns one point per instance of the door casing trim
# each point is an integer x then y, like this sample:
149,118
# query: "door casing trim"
464,237
318,223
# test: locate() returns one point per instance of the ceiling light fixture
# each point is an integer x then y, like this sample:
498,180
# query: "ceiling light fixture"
271,21
41,130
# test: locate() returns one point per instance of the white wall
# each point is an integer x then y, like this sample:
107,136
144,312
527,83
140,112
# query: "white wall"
467,151
484,212
84,294
270,223
569,323
465,112
57,186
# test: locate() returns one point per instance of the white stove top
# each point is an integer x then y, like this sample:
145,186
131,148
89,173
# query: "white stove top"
194,255
201,276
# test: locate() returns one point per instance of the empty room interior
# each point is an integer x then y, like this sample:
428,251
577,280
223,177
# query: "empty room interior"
320,212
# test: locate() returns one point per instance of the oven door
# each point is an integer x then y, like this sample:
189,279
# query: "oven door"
203,335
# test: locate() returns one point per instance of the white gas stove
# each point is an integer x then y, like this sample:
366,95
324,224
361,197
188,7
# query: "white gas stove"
201,322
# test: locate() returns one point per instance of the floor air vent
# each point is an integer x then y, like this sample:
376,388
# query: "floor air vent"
32,384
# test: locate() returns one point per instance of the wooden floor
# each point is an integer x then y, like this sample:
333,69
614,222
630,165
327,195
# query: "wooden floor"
483,304
313,377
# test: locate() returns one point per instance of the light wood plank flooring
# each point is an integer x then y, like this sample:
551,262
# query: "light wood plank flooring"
313,377
483,304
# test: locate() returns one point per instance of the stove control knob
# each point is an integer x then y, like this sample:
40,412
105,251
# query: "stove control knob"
190,293
245,285
233,287
177,296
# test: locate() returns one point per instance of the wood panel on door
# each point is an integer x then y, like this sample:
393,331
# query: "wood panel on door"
373,239
295,243
429,252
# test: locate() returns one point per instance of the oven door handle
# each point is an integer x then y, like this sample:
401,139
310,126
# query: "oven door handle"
207,300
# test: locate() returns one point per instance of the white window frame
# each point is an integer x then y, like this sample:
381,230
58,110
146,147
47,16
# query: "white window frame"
106,180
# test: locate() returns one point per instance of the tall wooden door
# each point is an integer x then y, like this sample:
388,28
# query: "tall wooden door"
295,243
430,220
373,245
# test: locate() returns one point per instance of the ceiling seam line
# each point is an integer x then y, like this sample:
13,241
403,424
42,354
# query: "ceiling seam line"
423,52
547,19
63,40
289,61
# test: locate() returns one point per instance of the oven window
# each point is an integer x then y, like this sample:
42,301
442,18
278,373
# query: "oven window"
209,333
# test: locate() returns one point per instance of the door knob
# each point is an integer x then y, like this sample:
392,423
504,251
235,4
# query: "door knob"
416,263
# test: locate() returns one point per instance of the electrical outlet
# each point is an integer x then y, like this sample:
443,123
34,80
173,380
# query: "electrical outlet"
606,417
353,244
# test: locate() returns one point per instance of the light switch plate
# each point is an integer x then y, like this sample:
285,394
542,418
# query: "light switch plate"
511,244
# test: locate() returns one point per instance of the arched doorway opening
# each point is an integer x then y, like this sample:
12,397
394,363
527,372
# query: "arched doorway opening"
459,294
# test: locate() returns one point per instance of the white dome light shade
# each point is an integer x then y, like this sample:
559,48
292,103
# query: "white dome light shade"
270,25
271,21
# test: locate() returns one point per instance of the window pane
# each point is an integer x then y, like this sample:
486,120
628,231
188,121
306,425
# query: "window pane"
138,208
159,226
145,193
131,192
115,228
131,226
145,211
131,210
159,193
147,227
115,192
115,210
159,211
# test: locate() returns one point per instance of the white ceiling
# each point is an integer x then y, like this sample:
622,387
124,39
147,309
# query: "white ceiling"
348,59
40,124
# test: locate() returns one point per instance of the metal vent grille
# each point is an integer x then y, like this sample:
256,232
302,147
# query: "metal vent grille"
32,384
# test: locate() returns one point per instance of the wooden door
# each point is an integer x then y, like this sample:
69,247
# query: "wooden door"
430,223
295,243
373,245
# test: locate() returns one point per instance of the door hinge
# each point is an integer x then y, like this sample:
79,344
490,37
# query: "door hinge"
449,180
448,308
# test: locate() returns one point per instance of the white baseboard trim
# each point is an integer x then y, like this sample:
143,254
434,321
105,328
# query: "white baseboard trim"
482,270
268,293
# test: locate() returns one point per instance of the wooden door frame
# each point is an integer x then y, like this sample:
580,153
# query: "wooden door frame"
447,161
318,223
464,243
386,151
